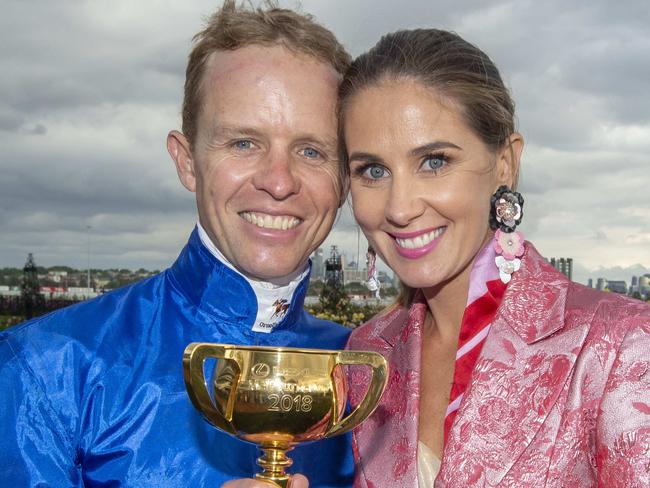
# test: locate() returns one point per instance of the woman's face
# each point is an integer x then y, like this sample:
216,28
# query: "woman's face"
421,180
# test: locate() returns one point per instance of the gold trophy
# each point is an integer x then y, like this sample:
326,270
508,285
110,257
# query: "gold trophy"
278,397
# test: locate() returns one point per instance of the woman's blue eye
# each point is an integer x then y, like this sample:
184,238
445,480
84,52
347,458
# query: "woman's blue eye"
434,162
375,172
311,153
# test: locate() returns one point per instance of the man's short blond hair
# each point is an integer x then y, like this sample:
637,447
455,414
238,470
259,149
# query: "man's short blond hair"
236,26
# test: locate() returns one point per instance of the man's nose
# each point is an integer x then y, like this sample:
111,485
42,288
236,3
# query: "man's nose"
278,175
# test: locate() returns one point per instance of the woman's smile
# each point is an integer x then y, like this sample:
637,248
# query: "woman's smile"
413,245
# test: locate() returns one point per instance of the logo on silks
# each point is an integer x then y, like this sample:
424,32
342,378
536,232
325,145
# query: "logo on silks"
280,308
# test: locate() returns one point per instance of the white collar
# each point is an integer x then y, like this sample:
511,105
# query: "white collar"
273,300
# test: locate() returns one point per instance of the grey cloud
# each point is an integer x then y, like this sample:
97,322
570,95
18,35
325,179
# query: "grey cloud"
10,120
93,87
61,57
360,24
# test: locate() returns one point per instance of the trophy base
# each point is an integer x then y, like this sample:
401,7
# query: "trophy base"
273,462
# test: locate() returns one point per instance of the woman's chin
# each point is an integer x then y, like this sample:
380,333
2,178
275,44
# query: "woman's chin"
421,281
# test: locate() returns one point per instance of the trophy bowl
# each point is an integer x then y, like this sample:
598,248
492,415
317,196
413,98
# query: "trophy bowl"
278,397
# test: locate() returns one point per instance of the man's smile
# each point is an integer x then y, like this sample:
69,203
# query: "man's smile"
266,221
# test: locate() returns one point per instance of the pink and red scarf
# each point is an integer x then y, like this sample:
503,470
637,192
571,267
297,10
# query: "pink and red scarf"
485,295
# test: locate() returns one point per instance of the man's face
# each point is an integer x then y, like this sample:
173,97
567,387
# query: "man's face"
263,165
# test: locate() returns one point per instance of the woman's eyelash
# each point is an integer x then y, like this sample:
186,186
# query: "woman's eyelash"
361,169
441,158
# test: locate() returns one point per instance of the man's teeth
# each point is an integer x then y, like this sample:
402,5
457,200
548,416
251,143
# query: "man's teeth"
279,222
421,240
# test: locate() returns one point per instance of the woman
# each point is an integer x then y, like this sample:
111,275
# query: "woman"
502,370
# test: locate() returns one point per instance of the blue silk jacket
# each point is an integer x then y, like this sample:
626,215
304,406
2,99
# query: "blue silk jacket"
93,394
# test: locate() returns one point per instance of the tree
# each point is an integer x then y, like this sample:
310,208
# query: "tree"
334,300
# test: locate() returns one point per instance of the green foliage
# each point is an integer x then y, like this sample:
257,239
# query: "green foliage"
108,278
334,304
334,299
9,320
121,281
315,288
11,276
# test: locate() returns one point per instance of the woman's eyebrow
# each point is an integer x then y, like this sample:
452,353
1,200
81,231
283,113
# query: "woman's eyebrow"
364,156
432,147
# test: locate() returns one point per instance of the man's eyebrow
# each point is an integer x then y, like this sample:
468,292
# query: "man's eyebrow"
432,147
326,142
219,130
234,131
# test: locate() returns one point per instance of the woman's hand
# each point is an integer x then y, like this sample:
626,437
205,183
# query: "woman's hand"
297,481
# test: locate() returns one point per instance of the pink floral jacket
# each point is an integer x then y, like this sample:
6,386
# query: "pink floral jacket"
559,397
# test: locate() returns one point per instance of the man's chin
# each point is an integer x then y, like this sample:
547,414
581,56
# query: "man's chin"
276,272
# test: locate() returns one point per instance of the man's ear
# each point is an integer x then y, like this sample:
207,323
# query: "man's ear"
508,160
179,149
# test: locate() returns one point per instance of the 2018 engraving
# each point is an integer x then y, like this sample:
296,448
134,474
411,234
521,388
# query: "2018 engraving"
288,403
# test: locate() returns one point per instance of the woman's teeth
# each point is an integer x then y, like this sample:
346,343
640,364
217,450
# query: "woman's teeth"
266,221
421,240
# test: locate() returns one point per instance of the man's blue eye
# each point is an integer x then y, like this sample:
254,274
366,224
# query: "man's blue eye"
311,153
243,144
434,162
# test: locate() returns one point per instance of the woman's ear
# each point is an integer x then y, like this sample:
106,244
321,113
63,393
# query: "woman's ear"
179,149
508,160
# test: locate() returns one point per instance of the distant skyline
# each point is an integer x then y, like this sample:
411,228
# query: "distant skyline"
92,88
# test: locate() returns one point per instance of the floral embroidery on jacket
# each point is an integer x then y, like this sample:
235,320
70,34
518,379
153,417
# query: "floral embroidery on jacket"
559,397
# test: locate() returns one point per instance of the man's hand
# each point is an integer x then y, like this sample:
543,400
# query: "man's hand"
297,481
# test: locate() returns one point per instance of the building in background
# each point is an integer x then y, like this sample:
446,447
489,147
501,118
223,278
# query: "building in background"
617,286
600,284
564,266
644,286
318,265
351,271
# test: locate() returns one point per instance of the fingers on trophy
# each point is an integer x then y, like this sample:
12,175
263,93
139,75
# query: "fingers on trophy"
279,397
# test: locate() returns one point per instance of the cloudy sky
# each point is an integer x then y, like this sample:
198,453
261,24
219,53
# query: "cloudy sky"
89,90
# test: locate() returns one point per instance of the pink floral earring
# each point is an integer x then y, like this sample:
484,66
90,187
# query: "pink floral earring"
506,212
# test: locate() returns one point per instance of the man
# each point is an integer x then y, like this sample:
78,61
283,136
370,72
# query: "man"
93,395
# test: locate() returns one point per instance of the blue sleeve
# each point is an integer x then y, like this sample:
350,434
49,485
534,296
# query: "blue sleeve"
35,448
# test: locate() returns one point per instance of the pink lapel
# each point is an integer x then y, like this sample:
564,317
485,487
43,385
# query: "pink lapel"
522,370
386,442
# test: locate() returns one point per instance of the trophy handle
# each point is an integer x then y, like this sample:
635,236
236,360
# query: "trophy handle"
378,382
194,356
